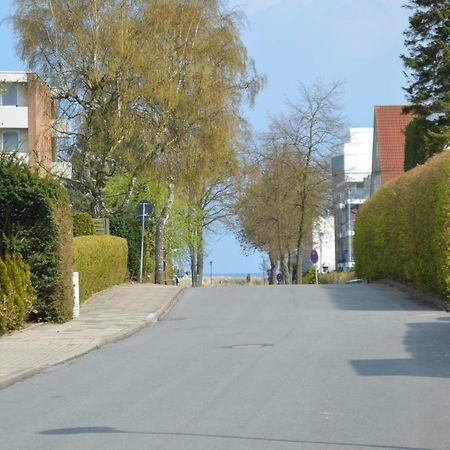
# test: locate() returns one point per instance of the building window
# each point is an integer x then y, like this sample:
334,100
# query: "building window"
9,95
10,140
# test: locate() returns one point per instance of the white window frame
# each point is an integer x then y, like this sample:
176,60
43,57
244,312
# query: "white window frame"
3,140
5,87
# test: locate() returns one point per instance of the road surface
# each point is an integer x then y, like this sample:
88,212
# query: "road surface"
252,368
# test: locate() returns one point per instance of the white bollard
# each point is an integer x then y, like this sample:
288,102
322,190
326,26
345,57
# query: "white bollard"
76,294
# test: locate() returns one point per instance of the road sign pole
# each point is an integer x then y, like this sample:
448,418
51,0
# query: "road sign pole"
317,278
141,265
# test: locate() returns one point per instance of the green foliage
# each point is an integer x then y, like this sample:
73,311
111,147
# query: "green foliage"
427,63
310,276
16,292
335,277
164,85
101,262
419,146
83,224
127,226
35,221
403,231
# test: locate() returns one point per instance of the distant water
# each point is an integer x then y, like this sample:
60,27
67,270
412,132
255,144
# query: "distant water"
235,275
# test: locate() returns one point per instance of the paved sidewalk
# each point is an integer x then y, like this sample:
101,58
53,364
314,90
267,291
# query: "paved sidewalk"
107,317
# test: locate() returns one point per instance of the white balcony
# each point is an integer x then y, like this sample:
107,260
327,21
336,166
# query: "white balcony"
13,117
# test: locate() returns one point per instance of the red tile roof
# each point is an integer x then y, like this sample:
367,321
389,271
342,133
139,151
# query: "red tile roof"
390,124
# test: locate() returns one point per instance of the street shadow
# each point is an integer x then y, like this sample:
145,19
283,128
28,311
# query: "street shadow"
428,345
374,297
111,430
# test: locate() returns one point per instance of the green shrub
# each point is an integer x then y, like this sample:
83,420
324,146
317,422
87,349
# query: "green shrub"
101,262
16,292
403,231
335,277
83,224
418,145
128,227
35,221
310,276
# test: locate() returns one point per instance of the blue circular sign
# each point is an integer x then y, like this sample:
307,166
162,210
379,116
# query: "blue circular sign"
314,256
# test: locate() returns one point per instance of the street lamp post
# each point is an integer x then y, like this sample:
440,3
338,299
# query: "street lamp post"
144,211
210,272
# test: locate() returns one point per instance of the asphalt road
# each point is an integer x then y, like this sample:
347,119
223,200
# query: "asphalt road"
307,367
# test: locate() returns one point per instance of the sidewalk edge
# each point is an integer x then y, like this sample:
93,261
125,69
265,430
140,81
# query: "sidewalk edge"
159,314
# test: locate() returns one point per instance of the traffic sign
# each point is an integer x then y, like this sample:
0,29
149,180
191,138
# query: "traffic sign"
279,277
314,256
144,209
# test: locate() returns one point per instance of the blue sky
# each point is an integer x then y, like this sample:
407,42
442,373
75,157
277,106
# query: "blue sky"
293,41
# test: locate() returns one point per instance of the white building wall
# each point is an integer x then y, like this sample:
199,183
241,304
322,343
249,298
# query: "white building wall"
358,154
324,243
15,117
13,77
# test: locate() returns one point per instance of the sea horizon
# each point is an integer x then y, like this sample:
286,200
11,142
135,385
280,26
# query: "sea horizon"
235,275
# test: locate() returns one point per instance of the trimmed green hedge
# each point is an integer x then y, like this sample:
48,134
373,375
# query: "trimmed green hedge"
16,292
403,231
83,224
35,220
101,262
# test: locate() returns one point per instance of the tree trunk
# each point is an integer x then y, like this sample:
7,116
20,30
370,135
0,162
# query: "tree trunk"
273,268
98,208
301,226
193,261
285,271
200,259
300,253
290,267
159,235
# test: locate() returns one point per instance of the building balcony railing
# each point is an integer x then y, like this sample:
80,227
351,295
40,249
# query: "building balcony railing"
13,117
352,195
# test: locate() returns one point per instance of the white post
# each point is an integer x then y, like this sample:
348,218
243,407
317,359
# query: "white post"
141,266
76,294
317,278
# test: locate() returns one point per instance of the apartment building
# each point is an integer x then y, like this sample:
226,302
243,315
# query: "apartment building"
27,113
351,170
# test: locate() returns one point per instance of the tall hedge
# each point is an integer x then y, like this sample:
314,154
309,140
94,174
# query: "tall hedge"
101,262
16,292
83,224
403,231
35,220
